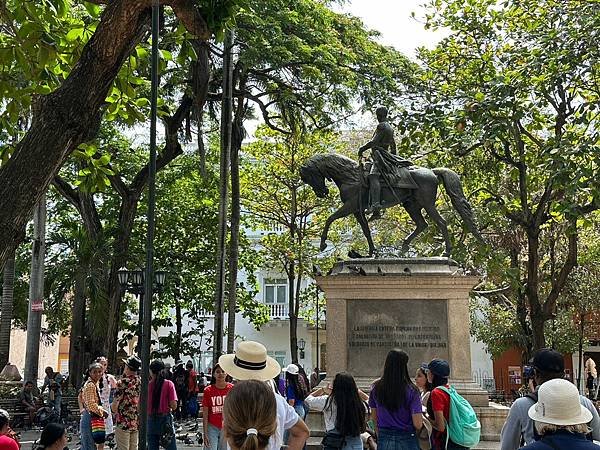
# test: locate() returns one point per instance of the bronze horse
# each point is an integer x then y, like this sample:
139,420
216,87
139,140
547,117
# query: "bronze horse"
346,174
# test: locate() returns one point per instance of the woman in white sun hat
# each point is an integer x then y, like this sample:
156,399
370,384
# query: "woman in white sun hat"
250,362
560,419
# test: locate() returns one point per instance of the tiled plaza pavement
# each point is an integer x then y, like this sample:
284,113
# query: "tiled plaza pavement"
28,437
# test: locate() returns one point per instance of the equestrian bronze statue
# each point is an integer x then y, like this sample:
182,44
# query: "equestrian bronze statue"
349,177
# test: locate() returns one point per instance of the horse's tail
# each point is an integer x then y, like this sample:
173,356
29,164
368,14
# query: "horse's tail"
453,187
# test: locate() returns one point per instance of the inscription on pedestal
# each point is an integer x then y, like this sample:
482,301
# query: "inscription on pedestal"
418,327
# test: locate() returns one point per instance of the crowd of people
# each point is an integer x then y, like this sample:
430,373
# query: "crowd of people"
251,403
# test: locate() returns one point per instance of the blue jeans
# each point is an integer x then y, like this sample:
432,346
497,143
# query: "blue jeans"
390,439
85,432
155,426
215,438
56,403
352,442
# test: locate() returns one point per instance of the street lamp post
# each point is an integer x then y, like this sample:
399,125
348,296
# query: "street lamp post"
301,347
134,281
318,366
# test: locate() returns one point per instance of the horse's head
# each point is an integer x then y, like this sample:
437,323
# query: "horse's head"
312,176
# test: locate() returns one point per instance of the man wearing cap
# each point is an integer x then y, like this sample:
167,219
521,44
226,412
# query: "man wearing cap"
125,405
559,418
547,365
250,362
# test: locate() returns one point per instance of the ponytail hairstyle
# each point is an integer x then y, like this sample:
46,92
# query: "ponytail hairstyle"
50,434
435,382
249,415
157,368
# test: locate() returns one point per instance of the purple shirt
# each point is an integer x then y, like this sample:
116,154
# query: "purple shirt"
167,394
400,419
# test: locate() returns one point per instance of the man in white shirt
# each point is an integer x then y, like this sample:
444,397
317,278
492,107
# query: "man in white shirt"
250,362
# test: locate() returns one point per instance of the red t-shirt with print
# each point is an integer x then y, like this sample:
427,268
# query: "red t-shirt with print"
213,400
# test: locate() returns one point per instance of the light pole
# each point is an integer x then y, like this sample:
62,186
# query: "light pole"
301,347
134,281
318,366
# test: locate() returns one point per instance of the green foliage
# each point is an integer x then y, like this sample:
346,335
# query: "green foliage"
39,44
279,202
508,99
494,325
312,64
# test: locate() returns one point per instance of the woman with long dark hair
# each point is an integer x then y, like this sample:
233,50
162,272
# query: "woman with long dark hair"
423,384
212,409
295,393
162,400
425,388
343,407
396,405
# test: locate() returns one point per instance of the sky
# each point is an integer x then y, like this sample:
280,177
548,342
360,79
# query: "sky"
392,18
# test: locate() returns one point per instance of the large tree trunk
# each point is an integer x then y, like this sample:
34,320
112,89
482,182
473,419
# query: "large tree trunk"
234,240
8,288
77,340
200,80
36,292
292,312
226,131
67,117
536,313
71,115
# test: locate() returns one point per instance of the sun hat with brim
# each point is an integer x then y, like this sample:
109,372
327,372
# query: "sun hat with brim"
292,369
558,404
250,362
133,362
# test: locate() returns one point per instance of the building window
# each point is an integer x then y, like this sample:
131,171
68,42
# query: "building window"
278,356
275,290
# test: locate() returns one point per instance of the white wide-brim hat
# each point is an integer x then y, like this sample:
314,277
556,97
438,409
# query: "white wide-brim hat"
558,404
292,369
250,362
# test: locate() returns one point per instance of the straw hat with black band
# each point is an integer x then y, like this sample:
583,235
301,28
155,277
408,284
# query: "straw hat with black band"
250,362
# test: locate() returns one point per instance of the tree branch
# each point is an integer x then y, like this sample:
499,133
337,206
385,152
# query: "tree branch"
190,16
563,275
67,191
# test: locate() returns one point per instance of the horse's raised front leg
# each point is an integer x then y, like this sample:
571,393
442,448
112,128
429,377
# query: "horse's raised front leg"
364,224
414,211
346,209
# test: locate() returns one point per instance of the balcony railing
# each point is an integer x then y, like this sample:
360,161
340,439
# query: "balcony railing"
278,310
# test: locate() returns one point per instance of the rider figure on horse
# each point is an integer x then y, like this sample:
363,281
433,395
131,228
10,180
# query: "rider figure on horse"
386,164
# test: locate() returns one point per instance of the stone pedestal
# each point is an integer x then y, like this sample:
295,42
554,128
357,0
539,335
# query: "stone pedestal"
420,305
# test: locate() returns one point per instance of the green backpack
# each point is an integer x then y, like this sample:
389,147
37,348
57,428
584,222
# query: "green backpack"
463,427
